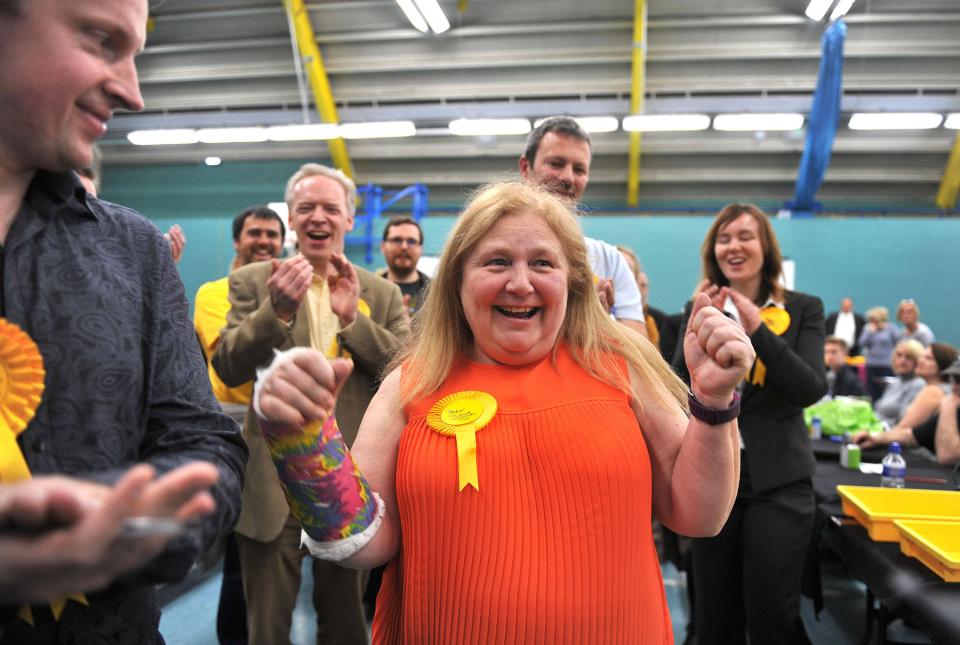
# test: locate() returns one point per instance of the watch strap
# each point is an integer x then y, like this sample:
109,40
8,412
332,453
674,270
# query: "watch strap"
714,416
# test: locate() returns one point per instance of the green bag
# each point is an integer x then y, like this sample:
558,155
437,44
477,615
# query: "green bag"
843,414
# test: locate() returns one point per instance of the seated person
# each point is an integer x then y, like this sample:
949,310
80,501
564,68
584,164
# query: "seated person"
936,358
904,387
841,379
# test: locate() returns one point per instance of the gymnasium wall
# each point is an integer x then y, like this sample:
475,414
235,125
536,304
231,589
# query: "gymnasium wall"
874,260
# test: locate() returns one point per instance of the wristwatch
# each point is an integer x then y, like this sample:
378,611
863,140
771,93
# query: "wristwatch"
713,416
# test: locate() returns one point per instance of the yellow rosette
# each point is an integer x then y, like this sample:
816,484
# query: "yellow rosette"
777,320
461,415
21,389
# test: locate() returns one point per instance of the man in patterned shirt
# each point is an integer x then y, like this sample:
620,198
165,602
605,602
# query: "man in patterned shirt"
94,286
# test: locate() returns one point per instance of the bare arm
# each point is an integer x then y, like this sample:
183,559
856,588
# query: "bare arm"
925,404
375,452
695,468
695,465
948,436
635,325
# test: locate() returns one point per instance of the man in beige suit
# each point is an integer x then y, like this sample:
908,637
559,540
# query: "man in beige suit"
314,299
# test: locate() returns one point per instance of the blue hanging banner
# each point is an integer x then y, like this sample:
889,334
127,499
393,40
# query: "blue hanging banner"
822,123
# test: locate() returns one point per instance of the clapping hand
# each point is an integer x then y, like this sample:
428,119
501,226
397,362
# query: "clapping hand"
748,312
60,535
344,289
718,353
288,284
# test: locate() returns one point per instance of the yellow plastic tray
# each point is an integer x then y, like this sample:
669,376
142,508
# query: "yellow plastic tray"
936,544
876,508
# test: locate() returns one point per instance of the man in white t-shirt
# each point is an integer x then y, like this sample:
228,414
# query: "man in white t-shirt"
557,155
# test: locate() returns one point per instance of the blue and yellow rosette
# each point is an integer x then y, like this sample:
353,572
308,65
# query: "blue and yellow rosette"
777,320
461,415
21,389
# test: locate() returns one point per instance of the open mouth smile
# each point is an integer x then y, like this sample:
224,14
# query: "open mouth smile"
523,313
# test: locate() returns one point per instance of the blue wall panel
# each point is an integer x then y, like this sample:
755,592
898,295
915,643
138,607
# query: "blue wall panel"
876,261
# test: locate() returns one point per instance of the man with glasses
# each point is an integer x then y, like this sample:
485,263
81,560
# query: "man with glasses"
402,247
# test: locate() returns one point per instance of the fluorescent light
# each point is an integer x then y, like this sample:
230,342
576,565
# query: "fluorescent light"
377,130
665,122
841,9
599,123
758,122
817,9
162,137
232,135
213,161
953,121
413,15
894,121
434,15
591,123
481,127
303,132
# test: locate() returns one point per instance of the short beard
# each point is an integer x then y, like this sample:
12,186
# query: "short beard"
403,273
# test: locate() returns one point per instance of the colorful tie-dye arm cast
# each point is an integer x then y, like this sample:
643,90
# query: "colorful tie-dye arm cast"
324,488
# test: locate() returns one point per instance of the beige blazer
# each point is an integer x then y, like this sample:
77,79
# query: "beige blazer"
248,341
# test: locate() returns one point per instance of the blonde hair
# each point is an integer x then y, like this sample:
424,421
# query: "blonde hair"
878,314
913,348
441,335
314,169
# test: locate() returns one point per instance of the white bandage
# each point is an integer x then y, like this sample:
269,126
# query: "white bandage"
339,550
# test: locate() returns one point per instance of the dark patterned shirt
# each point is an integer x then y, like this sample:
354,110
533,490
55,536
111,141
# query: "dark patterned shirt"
94,285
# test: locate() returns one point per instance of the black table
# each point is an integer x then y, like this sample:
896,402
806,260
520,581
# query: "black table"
903,586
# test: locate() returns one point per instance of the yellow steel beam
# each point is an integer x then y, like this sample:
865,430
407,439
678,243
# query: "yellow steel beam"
637,89
317,74
950,184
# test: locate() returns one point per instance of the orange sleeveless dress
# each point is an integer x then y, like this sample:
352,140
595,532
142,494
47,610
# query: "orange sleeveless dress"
556,546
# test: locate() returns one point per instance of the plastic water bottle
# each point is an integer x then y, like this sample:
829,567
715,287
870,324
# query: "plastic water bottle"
894,468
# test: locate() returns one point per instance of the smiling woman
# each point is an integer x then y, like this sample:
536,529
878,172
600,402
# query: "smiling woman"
747,579
519,447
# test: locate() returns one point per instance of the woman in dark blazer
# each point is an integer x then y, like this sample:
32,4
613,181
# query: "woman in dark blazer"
747,579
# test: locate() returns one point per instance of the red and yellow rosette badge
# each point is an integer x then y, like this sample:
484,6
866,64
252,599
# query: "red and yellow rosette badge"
461,415
21,388
777,320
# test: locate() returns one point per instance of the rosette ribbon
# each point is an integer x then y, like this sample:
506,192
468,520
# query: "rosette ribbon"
461,415
777,320
21,389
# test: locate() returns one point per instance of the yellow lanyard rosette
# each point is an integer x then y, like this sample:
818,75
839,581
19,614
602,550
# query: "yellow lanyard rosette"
21,388
461,415
777,320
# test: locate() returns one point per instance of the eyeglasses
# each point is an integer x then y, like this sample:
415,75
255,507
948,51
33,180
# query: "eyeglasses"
906,301
400,241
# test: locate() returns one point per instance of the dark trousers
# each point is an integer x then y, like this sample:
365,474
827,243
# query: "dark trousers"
271,582
747,578
875,380
232,612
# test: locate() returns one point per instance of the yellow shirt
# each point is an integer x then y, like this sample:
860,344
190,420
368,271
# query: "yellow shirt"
209,317
324,324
